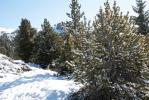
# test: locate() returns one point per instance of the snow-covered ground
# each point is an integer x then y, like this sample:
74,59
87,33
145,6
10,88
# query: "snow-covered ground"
36,84
8,67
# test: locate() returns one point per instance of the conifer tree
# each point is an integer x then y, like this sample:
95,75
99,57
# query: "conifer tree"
71,31
112,60
47,45
67,45
73,26
5,45
142,20
24,40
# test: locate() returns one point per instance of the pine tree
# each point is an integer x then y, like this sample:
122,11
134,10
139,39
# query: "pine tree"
68,56
73,26
48,46
5,44
142,20
24,40
112,60
71,31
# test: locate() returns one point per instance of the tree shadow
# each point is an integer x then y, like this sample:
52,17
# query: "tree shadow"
57,95
26,80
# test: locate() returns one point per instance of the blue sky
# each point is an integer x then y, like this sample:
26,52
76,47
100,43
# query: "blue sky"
54,10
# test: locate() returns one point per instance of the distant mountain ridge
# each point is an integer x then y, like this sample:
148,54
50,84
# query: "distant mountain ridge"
11,33
7,31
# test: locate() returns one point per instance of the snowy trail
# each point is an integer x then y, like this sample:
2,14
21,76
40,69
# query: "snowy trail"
37,84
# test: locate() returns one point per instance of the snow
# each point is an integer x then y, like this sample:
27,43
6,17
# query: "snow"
8,67
58,30
6,30
36,84
9,32
29,65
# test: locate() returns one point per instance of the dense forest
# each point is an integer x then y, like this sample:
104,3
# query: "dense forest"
109,55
